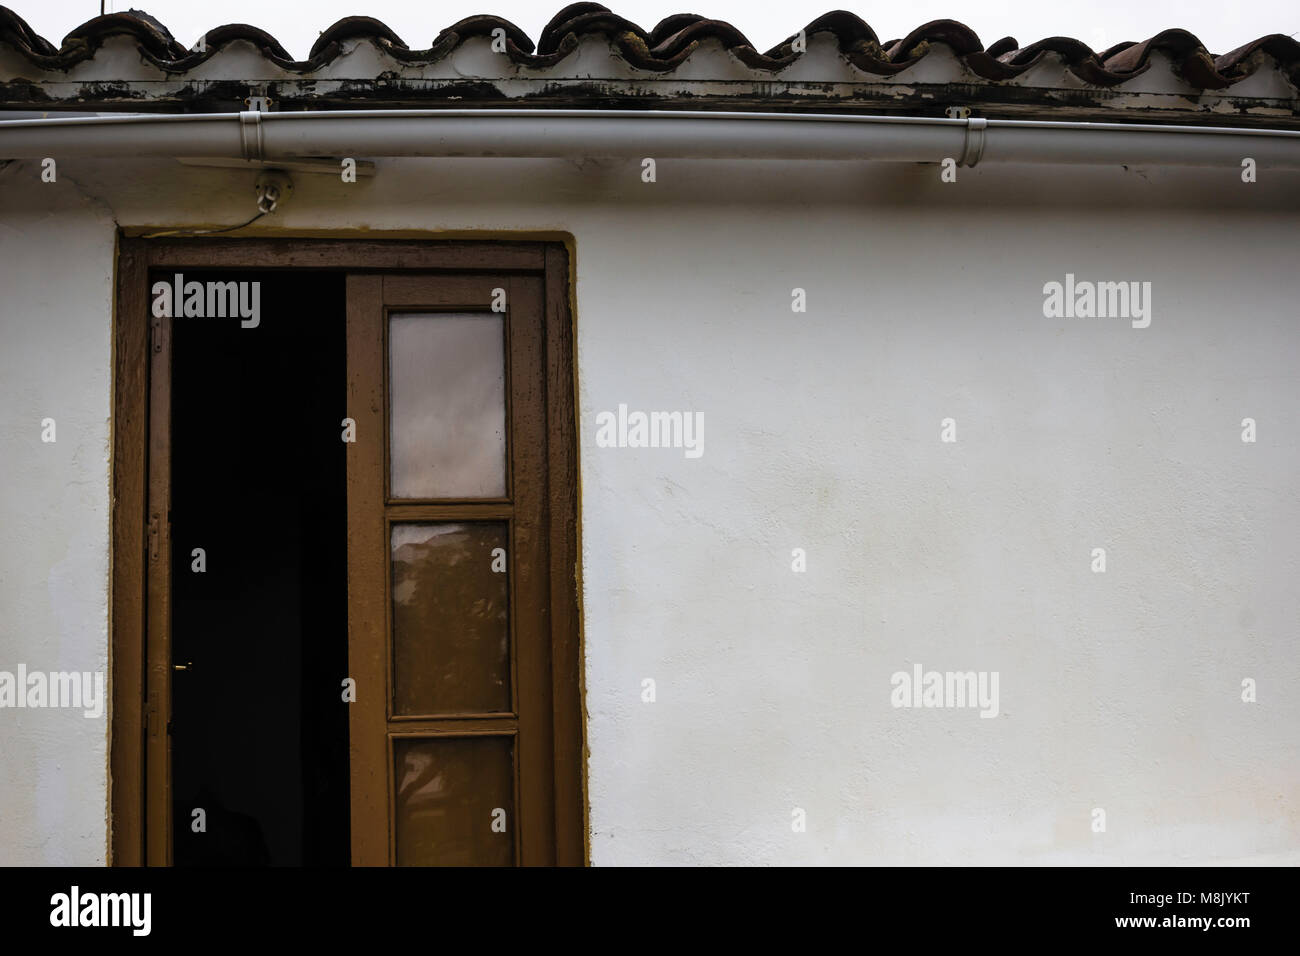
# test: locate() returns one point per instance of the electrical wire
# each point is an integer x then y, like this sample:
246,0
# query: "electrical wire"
202,232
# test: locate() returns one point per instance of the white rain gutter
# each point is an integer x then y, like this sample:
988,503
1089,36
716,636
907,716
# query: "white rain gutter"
269,137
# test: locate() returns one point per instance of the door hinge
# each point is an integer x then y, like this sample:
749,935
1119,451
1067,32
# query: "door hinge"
153,723
154,526
155,335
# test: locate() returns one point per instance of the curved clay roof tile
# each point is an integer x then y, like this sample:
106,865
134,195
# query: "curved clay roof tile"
350,28
674,39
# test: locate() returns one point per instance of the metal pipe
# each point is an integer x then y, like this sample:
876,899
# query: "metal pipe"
636,133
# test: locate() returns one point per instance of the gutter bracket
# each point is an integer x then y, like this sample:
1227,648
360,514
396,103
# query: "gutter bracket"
973,149
250,135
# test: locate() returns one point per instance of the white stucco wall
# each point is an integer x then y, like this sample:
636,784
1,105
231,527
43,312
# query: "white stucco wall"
1119,691
56,255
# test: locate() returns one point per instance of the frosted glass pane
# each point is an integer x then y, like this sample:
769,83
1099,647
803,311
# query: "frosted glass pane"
447,386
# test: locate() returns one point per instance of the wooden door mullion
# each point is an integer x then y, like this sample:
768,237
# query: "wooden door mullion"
529,567
367,573
158,549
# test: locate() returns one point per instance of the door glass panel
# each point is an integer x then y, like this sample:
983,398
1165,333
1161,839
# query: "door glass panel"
455,801
451,629
447,384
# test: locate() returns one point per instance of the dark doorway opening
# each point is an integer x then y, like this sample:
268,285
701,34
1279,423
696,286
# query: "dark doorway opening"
259,729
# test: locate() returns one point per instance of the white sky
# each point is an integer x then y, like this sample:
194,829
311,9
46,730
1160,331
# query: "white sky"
1221,24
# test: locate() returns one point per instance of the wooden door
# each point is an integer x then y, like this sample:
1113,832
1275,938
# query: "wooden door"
449,571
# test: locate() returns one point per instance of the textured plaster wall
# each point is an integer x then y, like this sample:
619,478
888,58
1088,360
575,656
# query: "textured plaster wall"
56,262
1119,691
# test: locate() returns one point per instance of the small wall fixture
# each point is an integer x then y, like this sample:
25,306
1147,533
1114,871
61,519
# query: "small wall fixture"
273,189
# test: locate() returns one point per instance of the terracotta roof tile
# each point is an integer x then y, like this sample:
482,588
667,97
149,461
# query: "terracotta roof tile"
1189,67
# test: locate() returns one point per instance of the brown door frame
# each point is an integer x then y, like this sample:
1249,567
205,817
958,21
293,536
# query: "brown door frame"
140,548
